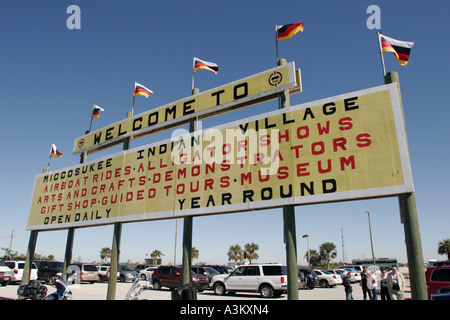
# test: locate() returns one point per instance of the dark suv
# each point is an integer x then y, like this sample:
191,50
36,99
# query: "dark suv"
170,276
49,271
438,280
310,277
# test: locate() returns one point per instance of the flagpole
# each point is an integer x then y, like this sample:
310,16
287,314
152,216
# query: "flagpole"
134,97
193,59
90,125
381,54
276,42
49,157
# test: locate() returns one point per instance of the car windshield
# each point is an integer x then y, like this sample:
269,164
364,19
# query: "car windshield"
56,265
212,271
2,263
90,267
124,267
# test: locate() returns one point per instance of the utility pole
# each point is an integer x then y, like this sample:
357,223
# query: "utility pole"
371,242
10,243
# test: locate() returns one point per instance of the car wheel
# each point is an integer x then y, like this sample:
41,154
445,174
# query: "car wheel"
143,277
266,291
324,283
219,289
156,285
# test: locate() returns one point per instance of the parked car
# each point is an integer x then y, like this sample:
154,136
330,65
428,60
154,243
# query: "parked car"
438,280
86,272
170,276
310,276
17,270
355,275
267,279
5,273
357,267
147,273
126,273
207,271
49,270
140,267
221,269
328,279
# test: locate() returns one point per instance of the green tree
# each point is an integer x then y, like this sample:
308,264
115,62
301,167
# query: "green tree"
444,248
194,253
315,258
327,252
250,251
235,253
155,254
105,254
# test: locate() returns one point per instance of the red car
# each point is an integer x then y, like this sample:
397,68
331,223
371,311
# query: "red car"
438,280
170,276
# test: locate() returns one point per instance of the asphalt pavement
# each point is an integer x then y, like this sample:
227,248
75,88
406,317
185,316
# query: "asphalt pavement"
98,291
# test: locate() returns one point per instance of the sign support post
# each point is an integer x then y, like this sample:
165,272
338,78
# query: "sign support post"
289,225
408,212
29,258
188,224
115,250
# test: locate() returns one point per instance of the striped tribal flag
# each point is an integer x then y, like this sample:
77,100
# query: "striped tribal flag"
401,49
286,31
54,152
200,64
96,112
140,90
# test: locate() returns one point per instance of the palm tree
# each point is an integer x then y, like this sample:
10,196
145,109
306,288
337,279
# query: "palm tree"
194,253
235,253
327,252
105,253
250,251
155,254
315,258
444,248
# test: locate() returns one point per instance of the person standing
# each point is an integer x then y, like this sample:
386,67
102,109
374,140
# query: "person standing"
383,285
372,285
348,287
364,277
396,284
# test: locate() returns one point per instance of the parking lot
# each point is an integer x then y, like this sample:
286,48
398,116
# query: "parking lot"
98,291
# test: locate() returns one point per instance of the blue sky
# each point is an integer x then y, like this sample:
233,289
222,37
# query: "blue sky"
51,76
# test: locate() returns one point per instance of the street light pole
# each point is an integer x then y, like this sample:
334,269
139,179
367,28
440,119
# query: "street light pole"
309,257
371,242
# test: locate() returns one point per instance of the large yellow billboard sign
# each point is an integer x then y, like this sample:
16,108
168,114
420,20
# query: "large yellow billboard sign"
346,147
257,88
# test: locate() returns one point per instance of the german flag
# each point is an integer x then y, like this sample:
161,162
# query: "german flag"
286,31
201,64
140,90
96,112
54,152
401,49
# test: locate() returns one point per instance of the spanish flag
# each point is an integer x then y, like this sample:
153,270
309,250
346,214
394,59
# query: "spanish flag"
96,112
54,152
200,64
286,31
401,49
140,90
